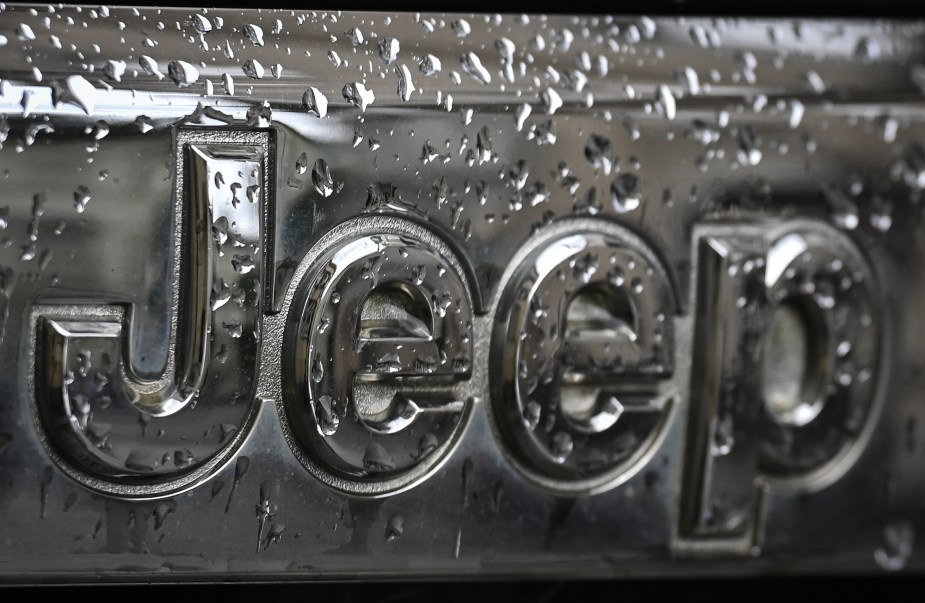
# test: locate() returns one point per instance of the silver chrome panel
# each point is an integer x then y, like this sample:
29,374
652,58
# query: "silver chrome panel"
311,295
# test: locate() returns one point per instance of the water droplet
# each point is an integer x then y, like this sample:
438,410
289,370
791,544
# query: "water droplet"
748,153
326,419
235,188
29,101
745,61
890,126
317,370
467,470
599,151
461,28
315,102
149,66
418,274
114,70
394,527
575,80
217,487
440,301
260,116
429,65
689,80
562,38
624,194
253,69
254,33
647,27
897,544
723,436
428,153
220,294
483,145
551,100
472,65
234,328
377,458
405,85
544,133
81,198
844,211
388,50
518,174
242,264
506,49
665,102
183,458
587,203
228,84
521,115
220,228
201,23
322,179
47,476
813,82
323,324
301,164
274,535
796,114
75,90
226,430
265,510
240,468
182,73
532,413
25,33
702,133
141,460
357,95
355,36
867,50
881,213
562,445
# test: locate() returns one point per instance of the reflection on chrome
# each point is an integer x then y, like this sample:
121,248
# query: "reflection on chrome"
309,294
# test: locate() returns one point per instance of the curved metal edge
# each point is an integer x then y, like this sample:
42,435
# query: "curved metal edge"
501,310
832,471
139,492
364,225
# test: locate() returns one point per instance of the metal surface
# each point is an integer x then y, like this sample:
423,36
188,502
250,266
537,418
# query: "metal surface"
305,295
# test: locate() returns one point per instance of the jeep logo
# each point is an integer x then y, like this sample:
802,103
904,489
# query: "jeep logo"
383,352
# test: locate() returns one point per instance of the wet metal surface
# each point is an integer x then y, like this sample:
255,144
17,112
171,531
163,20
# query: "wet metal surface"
310,295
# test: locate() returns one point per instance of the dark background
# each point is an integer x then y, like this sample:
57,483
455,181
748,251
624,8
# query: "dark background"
882,587
718,8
